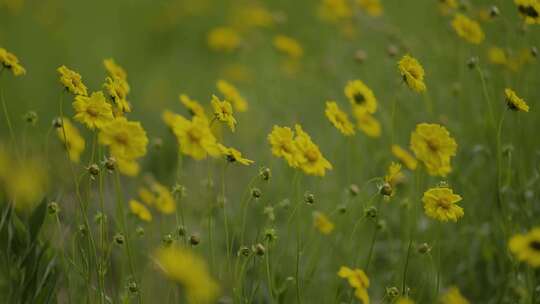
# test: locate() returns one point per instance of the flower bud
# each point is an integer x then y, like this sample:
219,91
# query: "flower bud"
244,251
82,229
31,117
392,50
57,122
392,292
93,169
194,240
181,231
179,190
53,208
110,163
270,234
265,173
386,189
424,248
259,249
472,62
309,198
370,212
132,286
119,239
140,231
100,217
167,239
360,56
354,190
256,193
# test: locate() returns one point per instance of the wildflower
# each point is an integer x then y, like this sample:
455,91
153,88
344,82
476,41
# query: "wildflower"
334,10
497,56
118,88
529,10
372,7
405,157
231,93
468,29
413,73
25,182
289,46
164,201
312,161
11,62
259,249
125,139
526,247
128,167
193,106
114,69
146,196
72,81
234,155
440,204
140,210
514,102
361,96
92,111
194,240
223,112
322,223
394,175
433,145
282,141
250,16
357,279
453,296
338,118
223,39
71,138
367,123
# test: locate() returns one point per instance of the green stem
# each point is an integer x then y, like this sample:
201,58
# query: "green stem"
486,96
268,273
6,112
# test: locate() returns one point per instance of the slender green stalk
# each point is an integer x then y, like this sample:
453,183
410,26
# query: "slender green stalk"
225,218
404,282
298,241
371,246
486,96
6,112
268,273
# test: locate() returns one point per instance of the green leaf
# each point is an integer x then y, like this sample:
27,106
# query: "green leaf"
36,219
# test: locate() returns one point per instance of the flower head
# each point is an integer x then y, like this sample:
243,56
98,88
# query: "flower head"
234,155
288,46
453,296
367,122
440,203
468,29
164,201
71,138
312,161
526,247
405,157
358,280
282,142
433,145
223,39
372,7
125,139
361,96
140,210
193,106
128,167
338,118
231,93
93,111
118,88
394,175
514,102
529,10
114,69
223,112
334,10
402,300
11,62
413,73
72,81
322,223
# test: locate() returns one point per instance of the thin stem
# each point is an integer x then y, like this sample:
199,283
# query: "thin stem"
268,274
225,219
6,112
371,246
486,96
403,284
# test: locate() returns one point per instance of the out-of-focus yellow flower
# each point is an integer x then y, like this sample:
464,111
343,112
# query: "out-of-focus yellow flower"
237,72
519,59
453,296
413,73
334,10
361,96
252,15
140,210
164,202
93,111
447,6
405,157
282,142
125,139
322,223
440,203
128,167
114,69
358,280
338,118
403,300
468,29
24,181
529,10
497,55
234,155
13,6
71,138
72,81
312,161
11,62
231,93
366,122
372,7
288,46
223,112
433,145
193,106
223,39
118,88
146,196
189,270
514,102
526,247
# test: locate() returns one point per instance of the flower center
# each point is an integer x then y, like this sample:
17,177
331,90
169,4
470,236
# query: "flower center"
528,11
312,155
92,112
443,203
121,139
194,134
535,245
359,98
432,145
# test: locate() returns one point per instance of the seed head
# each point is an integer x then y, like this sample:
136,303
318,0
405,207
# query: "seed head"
119,239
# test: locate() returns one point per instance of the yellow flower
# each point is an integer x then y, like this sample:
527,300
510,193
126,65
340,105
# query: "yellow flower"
231,93
526,247
71,138
223,39
312,161
163,199
529,10
252,15
372,7
334,10
322,223
453,296
223,112
234,155
194,136
403,300
72,81
468,29
193,106
394,175
514,102
146,196
189,270
26,184
282,142
125,139
413,73
11,62
288,46
497,55
358,280
361,96
93,111
118,89
140,210
433,145
405,157
338,118
114,69
128,167
366,122
440,203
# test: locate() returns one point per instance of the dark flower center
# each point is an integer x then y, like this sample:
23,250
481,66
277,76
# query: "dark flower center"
359,98
231,158
528,11
535,245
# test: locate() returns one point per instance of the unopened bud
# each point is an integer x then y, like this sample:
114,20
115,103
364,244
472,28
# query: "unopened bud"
57,122
259,249
472,62
93,169
53,208
309,198
167,239
244,251
256,193
194,240
119,239
31,117
424,248
110,163
386,189
354,190
265,173
370,212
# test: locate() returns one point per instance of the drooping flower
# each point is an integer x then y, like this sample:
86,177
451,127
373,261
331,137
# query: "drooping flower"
440,203
529,10
140,210
288,46
231,93
453,296
338,118
361,96
514,102
93,111
526,247
358,280
468,29
11,62
71,138
372,7
312,161
72,81
234,155
322,223
282,142
367,123
413,73
223,112
114,69
125,139
405,157
193,106
223,39
118,88
433,145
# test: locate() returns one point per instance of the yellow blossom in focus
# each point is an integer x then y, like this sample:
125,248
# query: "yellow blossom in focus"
114,69
405,157
367,123
118,88
93,111
358,280
453,296
71,138
223,39
440,203
514,102
372,7
289,46
11,62
526,247
140,210
194,136
223,112
193,106
234,155
322,223
72,81
282,142
312,161
529,10
361,96
468,29
231,93
433,145
413,73
338,118
125,139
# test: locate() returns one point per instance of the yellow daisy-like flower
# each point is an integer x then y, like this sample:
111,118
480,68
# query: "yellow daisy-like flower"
413,73
403,300
193,106
26,183
118,88
394,175
405,157
514,102
164,201
189,270
526,247
11,62
367,122
71,138
72,81
223,112
282,142
231,93
234,155
93,111
468,29
140,210
529,10
372,7
433,145
322,223
114,69
361,96
194,136
223,39
358,280
334,10
497,55
338,118
288,46
453,296
312,161
440,203
128,167
146,196
125,139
